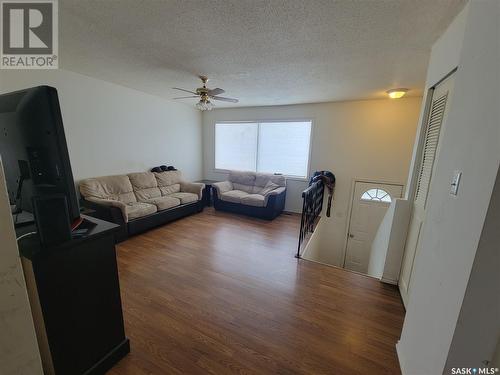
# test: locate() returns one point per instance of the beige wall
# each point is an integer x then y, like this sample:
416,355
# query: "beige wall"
469,142
369,139
18,347
111,129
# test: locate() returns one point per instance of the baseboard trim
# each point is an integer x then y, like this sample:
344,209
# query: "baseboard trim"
389,281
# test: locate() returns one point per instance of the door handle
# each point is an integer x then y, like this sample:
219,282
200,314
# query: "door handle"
351,235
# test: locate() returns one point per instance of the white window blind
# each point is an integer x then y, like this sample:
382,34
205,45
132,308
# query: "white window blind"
236,146
271,147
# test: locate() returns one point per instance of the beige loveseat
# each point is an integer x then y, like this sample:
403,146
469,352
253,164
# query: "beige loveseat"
141,200
255,194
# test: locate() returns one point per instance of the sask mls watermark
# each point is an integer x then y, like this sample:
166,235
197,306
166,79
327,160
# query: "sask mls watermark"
29,34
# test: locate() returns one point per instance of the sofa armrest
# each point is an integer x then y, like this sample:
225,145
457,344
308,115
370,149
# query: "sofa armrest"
193,187
273,194
222,187
110,203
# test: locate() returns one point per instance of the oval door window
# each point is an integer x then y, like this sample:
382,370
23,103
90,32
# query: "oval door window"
377,195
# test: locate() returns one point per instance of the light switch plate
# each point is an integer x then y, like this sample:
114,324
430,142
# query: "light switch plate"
455,182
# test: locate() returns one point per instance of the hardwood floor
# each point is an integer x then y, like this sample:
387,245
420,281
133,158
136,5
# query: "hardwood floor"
216,293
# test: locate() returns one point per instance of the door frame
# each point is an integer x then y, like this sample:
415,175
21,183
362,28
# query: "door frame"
351,204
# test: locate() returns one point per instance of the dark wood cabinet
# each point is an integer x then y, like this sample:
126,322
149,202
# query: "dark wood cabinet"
75,297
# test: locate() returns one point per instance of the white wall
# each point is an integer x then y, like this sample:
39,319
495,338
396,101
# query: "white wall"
388,245
369,139
469,142
444,58
478,326
18,346
313,250
111,129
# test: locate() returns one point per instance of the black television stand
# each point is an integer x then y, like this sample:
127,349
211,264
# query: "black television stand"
75,299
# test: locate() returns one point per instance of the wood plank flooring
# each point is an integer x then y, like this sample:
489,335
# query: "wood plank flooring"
216,293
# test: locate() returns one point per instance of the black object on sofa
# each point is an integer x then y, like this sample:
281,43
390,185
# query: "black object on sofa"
259,195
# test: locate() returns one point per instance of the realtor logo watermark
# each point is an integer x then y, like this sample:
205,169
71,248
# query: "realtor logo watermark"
29,34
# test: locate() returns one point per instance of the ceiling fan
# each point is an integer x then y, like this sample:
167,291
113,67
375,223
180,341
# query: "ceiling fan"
206,95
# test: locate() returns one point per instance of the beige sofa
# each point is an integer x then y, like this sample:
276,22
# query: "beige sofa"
256,194
139,201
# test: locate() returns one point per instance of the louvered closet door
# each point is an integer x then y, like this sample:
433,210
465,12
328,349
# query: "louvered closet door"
437,117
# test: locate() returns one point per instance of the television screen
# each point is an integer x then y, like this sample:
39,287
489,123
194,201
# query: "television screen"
34,151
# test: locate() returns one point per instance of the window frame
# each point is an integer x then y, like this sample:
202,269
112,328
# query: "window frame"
259,121
376,199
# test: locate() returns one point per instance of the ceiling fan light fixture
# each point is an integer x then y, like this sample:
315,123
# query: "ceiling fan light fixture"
204,105
396,93
206,95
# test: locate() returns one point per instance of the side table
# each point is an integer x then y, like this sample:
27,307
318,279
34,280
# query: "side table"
207,192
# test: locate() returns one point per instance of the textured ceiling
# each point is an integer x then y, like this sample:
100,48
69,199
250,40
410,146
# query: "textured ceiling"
262,52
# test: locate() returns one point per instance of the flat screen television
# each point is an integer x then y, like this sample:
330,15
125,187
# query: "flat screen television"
34,151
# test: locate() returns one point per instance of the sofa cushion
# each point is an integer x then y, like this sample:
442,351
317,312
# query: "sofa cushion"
222,187
139,209
168,178
233,196
185,198
246,188
118,188
145,186
169,181
164,203
270,186
255,200
166,190
242,178
261,179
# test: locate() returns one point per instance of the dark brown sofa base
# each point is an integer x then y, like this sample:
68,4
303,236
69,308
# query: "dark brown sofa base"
275,206
142,224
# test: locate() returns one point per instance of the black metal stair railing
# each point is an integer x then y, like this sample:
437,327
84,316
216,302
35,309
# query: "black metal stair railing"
311,209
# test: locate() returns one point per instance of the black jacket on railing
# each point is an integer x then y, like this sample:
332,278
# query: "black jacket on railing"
312,204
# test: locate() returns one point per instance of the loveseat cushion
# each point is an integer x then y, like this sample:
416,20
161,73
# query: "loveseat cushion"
261,179
255,200
164,203
185,198
139,209
270,186
246,188
222,187
118,188
233,196
144,185
242,178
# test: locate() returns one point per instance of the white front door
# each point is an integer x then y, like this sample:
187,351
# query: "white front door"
370,202
437,116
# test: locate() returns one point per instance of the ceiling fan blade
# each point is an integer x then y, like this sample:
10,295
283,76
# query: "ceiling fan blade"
222,99
187,97
191,92
216,91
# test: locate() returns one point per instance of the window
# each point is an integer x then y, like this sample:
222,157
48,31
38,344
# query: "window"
377,195
271,147
235,146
